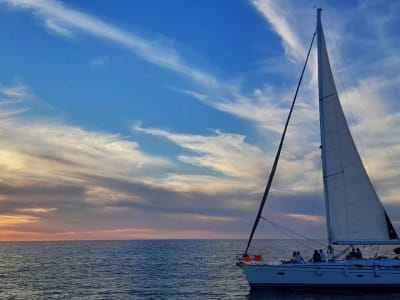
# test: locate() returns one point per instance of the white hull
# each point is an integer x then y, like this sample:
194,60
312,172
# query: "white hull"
375,274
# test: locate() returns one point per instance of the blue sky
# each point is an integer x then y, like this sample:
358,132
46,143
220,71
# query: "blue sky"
160,119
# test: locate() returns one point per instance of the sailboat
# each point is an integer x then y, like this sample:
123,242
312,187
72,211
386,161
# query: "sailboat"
347,188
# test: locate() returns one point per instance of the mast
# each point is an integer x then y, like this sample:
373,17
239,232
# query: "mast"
320,42
278,153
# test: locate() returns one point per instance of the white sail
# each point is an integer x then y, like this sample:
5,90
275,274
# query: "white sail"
354,212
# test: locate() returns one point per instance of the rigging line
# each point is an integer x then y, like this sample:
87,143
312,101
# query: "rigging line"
315,196
278,153
289,230
281,228
287,233
292,234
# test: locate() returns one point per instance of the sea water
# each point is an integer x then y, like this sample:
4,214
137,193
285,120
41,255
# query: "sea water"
156,269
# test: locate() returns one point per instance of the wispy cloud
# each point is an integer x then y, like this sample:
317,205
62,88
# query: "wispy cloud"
58,29
54,173
54,150
16,92
224,96
99,61
13,220
220,152
38,210
277,14
266,107
239,166
63,19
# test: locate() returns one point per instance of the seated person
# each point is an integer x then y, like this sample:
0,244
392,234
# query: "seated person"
316,257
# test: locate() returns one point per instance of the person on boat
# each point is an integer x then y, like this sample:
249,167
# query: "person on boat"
290,260
358,254
299,259
294,254
352,254
316,257
322,255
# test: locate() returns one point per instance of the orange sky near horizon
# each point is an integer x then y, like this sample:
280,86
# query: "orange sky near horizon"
114,234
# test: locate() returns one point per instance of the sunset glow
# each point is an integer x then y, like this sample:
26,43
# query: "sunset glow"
160,120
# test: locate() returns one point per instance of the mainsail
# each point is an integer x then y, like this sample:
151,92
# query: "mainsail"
354,211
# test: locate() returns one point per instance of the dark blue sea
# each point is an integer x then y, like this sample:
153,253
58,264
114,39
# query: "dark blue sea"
156,269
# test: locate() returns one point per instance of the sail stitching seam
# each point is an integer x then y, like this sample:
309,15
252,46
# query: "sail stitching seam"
334,174
323,98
